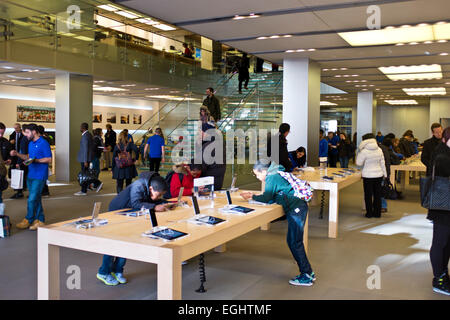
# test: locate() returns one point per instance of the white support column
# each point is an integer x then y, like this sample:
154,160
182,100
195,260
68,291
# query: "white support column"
301,105
366,114
73,100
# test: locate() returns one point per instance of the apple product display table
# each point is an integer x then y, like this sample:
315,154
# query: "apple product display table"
333,186
122,237
413,164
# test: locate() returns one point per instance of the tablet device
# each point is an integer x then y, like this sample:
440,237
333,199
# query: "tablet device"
210,220
195,205
169,234
241,209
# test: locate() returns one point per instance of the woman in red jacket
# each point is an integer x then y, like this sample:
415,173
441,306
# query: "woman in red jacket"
183,176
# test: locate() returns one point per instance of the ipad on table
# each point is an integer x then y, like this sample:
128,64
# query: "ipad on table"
169,234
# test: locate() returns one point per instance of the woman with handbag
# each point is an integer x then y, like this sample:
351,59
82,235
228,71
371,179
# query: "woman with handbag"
123,167
440,248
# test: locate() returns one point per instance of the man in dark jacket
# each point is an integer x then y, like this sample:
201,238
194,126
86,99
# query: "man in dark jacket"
244,75
110,143
85,157
15,139
430,144
23,149
146,192
405,145
213,104
283,147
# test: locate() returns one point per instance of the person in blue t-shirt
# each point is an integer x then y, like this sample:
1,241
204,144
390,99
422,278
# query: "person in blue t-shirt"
323,145
333,153
379,137
154,149
38,158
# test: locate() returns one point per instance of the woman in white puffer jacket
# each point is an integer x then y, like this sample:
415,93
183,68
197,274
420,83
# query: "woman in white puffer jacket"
371,158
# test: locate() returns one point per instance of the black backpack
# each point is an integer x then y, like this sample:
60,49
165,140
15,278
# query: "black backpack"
168,179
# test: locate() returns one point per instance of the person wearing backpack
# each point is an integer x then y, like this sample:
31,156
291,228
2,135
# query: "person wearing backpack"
182,176
279,190
123,167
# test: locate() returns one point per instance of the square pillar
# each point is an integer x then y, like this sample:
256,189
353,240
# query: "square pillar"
366,114
301,105
73,100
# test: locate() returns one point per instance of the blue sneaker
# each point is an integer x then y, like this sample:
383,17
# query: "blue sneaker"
313,276
107,279
119,277
303,279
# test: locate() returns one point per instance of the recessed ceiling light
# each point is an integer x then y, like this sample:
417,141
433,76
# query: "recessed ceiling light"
238,17
127,14
423,24
311,49
300,50
344,69
164,27
7,67
324,69
335,69
421,72
289,51
261,38
413,43
442,41
428,42
425,91
403,34
287,36
151,89
401,102
443,54
400,44
128,85
274,37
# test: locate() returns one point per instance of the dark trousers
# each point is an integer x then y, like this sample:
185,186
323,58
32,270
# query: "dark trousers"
119,185
245,80
112,264
85,185
154,164
296,224
333,159
440,249
372,196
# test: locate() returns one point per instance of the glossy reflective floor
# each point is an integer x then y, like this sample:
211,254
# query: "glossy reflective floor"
255,266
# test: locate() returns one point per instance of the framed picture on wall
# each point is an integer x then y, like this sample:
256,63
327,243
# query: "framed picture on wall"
97,117
111,117
124,118
137,119
35,114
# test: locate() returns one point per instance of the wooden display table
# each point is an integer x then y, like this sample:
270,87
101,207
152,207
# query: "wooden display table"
338,183
411,164
122,237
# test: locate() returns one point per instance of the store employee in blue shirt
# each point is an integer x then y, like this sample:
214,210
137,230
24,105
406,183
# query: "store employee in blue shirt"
323,145
40,155
156,153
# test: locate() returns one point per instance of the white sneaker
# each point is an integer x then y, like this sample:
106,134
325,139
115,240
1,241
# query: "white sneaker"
99,187
80,193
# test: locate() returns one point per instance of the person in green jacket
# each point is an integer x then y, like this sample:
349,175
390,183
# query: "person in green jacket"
279,190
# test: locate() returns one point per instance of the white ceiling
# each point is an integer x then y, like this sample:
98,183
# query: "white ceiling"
212,19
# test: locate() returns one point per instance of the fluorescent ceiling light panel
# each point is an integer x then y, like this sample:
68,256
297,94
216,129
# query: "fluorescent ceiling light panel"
108,89
108,7
401,102
175,98
425,91
147,21
421,72
164,27
405,34
127,14
327,103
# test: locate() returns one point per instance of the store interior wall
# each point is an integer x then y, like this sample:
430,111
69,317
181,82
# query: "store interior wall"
398,119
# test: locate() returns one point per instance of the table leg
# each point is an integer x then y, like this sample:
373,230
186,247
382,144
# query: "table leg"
407,173
265,227
403,180
47,269
392,177
333,211
221,249
169,275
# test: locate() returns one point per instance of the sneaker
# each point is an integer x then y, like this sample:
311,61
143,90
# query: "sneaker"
303,279
99,187
107,279
442,285
36,224
119,277
24,224
313,276
80,193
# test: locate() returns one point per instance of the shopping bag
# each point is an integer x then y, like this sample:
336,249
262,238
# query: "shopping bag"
16,179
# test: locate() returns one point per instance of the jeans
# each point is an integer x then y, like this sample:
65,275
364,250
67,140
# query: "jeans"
383,203
372,196
296,223
111,264
34,205
96,164
440,249
344,162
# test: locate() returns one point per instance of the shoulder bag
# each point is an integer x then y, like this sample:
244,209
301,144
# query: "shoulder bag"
435,191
